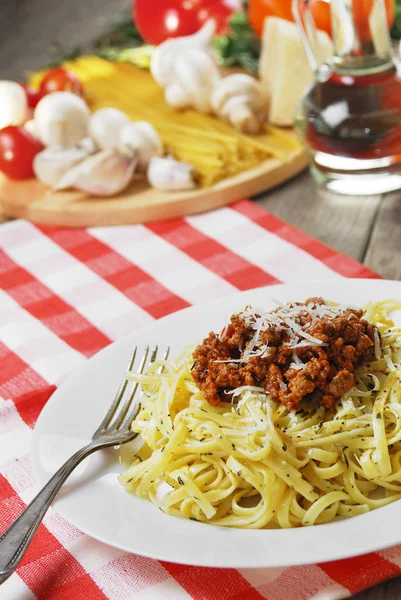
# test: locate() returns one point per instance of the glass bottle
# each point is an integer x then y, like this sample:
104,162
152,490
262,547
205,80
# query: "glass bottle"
350,118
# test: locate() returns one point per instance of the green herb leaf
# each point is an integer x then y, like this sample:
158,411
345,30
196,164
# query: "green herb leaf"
241,48
396,30
123,34
62,55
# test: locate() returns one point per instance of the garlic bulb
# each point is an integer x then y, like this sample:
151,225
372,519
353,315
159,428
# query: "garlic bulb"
51,164
104,174
186,69
164,56
61,119
144,139
88,144
238,99
105,127
169,174
13,104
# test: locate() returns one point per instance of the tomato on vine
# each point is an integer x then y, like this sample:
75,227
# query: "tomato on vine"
61,80
18,148
260,9
33,96
176,18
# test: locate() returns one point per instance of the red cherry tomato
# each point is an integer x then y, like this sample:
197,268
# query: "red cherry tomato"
321,14
173,18
362,10
219,10
61,80
33,96
258,10
17,151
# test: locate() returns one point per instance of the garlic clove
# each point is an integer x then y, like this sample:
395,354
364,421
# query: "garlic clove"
13,104
61,119
105,174
141,138
169,174
51,164
105,127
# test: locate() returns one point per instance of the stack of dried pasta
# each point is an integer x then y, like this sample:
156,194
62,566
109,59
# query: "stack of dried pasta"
214,148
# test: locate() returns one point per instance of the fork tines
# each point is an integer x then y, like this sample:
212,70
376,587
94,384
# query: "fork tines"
124,399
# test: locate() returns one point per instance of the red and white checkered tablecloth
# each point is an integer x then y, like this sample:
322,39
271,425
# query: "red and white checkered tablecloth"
64,295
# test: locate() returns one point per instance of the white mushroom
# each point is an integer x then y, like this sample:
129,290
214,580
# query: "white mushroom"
169,174
186,69
61,119
13,104
31,129
238,99
105,174
52,163
105,127
141,137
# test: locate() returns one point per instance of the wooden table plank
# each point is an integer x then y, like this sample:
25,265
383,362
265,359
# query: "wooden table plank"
391,590
383,254
343,222
31,30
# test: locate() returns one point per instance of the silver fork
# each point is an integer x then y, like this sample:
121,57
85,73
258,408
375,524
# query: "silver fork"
114,430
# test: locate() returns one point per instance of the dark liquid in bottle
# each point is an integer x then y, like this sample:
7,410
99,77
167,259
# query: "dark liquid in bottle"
355,116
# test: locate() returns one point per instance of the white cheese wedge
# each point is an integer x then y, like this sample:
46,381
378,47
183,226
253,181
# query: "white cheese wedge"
284,69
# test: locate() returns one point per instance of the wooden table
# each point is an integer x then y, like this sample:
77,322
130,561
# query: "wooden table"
366,228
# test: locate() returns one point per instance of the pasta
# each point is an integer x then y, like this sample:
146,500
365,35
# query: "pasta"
253,463
214,148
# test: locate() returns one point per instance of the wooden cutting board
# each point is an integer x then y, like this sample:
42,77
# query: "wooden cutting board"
134,91
30,200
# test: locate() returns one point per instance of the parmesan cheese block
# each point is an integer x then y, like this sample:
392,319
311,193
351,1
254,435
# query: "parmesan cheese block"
284,69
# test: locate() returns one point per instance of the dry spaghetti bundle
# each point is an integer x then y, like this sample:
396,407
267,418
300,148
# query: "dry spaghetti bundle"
213,147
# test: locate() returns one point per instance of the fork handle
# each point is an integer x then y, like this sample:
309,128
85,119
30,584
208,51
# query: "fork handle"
16,539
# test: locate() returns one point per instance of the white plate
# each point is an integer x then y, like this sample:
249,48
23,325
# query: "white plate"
93,501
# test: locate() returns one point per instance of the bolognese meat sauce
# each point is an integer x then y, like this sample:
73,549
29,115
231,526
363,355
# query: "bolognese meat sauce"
291,352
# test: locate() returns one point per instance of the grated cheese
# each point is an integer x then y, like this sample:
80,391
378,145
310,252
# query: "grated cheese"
377,345
285,318
298,329
390,364
245,388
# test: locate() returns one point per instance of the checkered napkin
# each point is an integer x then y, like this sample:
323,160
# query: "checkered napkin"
66,294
